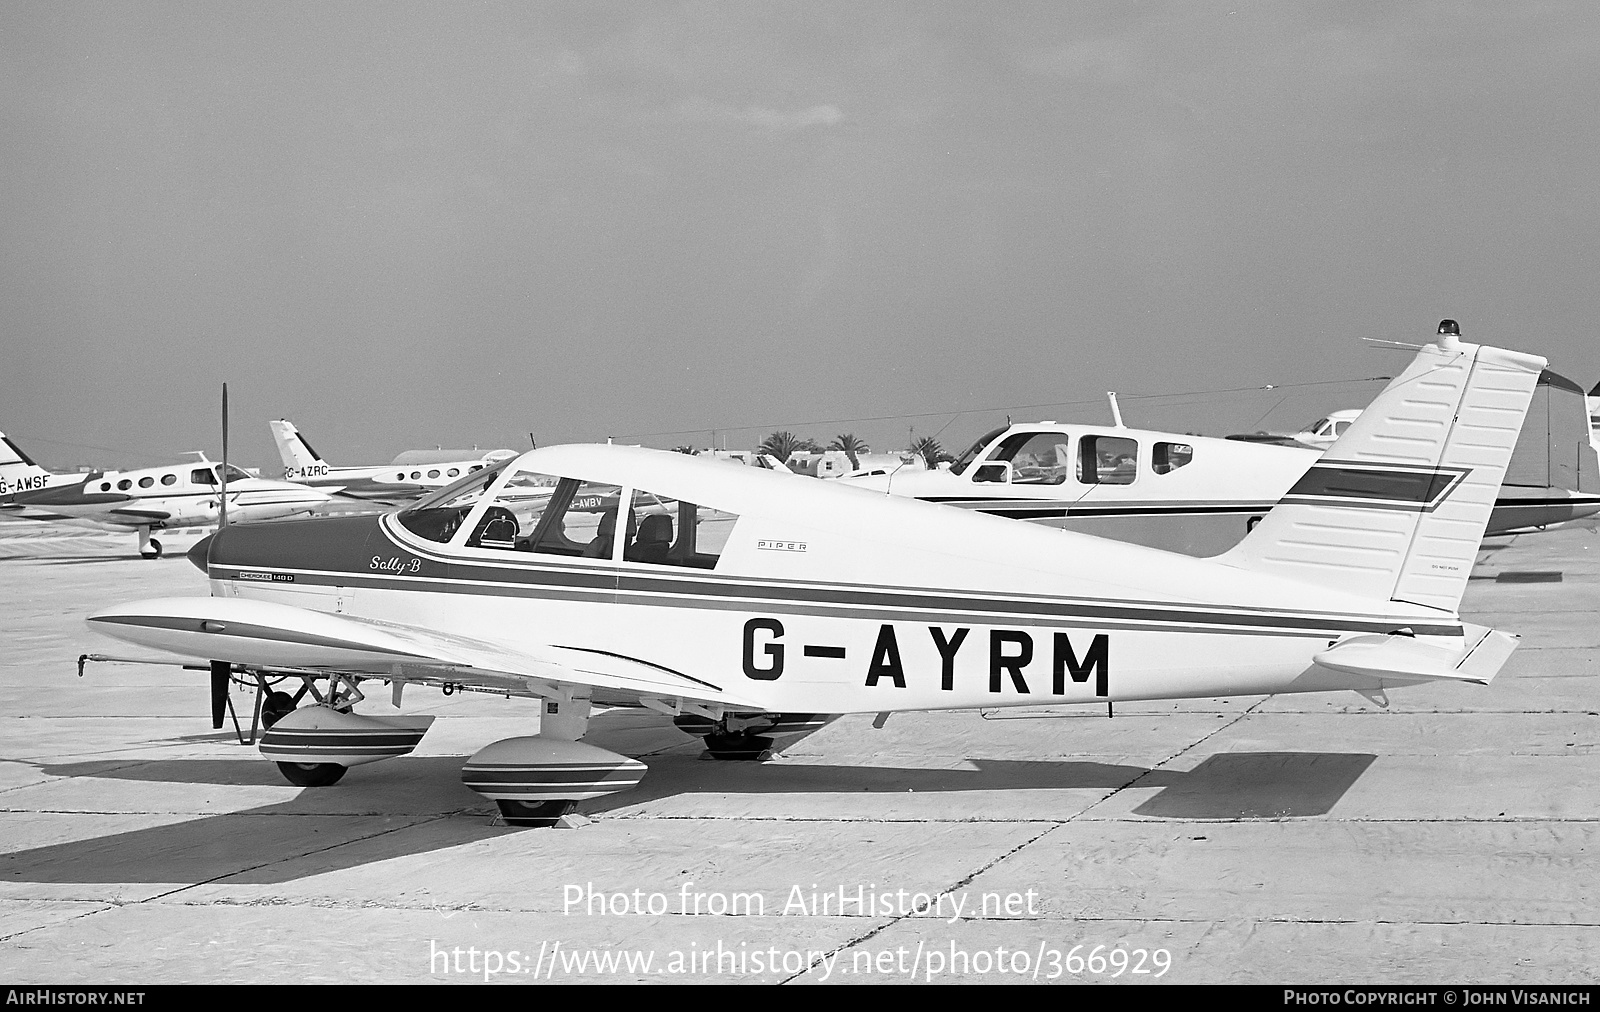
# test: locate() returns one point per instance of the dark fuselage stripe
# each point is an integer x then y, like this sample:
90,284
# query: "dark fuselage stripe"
872,605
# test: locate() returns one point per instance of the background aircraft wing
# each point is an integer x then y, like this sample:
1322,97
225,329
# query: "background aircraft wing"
261,634
137,515
1272,438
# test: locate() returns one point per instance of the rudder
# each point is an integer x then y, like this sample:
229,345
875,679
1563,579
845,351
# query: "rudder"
1397,507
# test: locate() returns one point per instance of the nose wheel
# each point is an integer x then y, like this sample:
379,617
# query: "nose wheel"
312,774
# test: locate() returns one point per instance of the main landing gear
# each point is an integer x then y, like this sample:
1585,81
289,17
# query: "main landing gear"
748,737
312,774
149,547
537,779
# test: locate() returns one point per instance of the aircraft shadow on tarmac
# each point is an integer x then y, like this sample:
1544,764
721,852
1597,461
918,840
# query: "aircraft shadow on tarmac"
418,805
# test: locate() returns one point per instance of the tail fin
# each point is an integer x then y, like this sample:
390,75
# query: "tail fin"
296,453
1397,506
18,472
11,453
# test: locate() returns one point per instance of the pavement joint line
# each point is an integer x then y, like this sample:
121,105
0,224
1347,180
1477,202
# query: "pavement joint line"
102,908
968,879
891,922
324,903
320,850
1187,748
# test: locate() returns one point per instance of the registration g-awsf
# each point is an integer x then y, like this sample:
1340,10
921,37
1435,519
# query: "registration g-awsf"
750,604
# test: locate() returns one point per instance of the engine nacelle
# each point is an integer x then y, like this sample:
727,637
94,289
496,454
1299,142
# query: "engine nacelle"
535,768
318,734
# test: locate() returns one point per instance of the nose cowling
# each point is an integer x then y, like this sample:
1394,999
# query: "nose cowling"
318,543
201,552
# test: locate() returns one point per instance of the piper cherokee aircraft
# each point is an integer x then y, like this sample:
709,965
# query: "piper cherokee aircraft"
1199,495
411,474
152,499
748,603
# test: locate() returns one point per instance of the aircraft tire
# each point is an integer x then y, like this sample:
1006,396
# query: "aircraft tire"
275,707
738,747
152,550
542,814
312,774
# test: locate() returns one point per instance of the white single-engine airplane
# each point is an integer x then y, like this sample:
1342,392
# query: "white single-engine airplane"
1200,495
148,500
411,474
754,603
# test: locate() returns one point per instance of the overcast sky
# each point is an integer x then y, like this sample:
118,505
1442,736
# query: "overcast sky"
403,225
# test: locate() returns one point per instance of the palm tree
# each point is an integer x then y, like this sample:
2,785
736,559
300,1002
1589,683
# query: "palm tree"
930,451
851,447
784,444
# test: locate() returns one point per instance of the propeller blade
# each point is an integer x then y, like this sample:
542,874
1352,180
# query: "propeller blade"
220,673
222,516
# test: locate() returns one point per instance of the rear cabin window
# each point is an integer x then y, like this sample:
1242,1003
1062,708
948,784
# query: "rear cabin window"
1107,460
1167,457
670,532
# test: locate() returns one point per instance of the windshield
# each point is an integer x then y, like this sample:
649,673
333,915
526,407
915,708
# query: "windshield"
972,451
437,516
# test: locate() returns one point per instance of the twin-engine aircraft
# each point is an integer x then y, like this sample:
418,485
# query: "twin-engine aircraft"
749,603
1200,495
148,500
411,474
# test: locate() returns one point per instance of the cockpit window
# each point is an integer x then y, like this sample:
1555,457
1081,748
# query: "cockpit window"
1167,457
670,532
1107,460
439,515
238,473
972,451
1319,427
510,521
1036,458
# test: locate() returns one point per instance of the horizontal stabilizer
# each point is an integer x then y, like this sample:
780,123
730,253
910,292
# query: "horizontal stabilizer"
1404,657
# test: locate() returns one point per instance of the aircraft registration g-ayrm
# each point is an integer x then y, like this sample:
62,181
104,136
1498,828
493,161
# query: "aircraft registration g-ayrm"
749,603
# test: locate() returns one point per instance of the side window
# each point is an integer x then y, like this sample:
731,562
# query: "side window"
203,476
1043,460
146,481
1034,458
670,532
439,516
1165,457
168,479
124,484
578,519
1107,460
